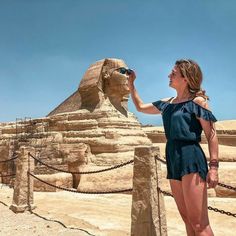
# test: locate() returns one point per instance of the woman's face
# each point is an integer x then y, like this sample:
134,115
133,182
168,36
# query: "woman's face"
176,79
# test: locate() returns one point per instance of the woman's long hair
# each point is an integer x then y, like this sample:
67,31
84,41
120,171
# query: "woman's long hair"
190,70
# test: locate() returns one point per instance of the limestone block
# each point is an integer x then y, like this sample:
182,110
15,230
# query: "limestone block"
84,134
226,153
132,132
76,159
117,122
58,138
103,145
106,181
148,210
226,125
227,176
155,134
51,152
74,125
83,114
226,139
112,158
59,179
4,151
23,186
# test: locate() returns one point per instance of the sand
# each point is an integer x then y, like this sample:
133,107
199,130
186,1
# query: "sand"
100,215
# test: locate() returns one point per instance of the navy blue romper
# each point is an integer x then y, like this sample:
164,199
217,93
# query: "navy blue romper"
184,154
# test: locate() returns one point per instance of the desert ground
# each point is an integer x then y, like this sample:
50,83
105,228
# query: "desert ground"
100,215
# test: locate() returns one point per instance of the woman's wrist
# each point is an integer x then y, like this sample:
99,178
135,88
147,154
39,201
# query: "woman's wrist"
214,168
214,164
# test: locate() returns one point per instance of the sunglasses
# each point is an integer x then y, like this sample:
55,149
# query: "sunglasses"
123,70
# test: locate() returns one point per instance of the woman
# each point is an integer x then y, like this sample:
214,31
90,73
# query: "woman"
184,118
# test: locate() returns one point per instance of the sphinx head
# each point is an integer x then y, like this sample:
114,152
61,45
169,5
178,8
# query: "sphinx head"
103,81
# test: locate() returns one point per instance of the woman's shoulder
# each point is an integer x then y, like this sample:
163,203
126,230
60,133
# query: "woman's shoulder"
167,99
202,102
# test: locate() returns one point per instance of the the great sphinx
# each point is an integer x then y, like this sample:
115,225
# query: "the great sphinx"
91,129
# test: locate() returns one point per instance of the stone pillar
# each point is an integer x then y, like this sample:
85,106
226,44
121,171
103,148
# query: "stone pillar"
23,187
148,210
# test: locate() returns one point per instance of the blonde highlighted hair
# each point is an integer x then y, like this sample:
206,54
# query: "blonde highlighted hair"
190,70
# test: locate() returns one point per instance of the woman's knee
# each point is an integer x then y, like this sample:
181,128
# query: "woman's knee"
198,226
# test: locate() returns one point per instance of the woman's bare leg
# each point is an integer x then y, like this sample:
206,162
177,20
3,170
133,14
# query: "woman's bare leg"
176,187
195,197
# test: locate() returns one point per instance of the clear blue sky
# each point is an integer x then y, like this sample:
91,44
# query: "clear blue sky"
47,45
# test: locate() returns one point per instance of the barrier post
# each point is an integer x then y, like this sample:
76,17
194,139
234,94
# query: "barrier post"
148,210
23,186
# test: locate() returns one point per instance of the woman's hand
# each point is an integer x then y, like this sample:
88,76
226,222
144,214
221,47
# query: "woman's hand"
212,177
131,79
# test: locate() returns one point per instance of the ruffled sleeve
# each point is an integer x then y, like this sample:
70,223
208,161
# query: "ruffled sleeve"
160,105
203,113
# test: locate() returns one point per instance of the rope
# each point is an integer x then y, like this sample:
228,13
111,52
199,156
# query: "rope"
209,207
7,175
227,186
85,192
161,160
220,184
13,158
83,172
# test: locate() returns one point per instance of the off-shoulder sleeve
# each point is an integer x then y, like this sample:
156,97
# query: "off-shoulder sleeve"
203,113
160,105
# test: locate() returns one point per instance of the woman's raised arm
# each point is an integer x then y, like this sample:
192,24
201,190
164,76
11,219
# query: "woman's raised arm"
147,108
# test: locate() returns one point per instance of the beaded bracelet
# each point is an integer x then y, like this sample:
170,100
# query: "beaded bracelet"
214,163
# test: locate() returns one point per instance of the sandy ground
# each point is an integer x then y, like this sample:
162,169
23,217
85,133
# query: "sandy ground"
100,215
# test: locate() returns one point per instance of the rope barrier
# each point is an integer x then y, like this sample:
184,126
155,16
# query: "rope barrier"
220,184
209,207
83,172
75,191
7,175
126,190
227,186
13,158
161,160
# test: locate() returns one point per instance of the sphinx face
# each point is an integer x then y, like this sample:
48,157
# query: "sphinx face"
116,83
